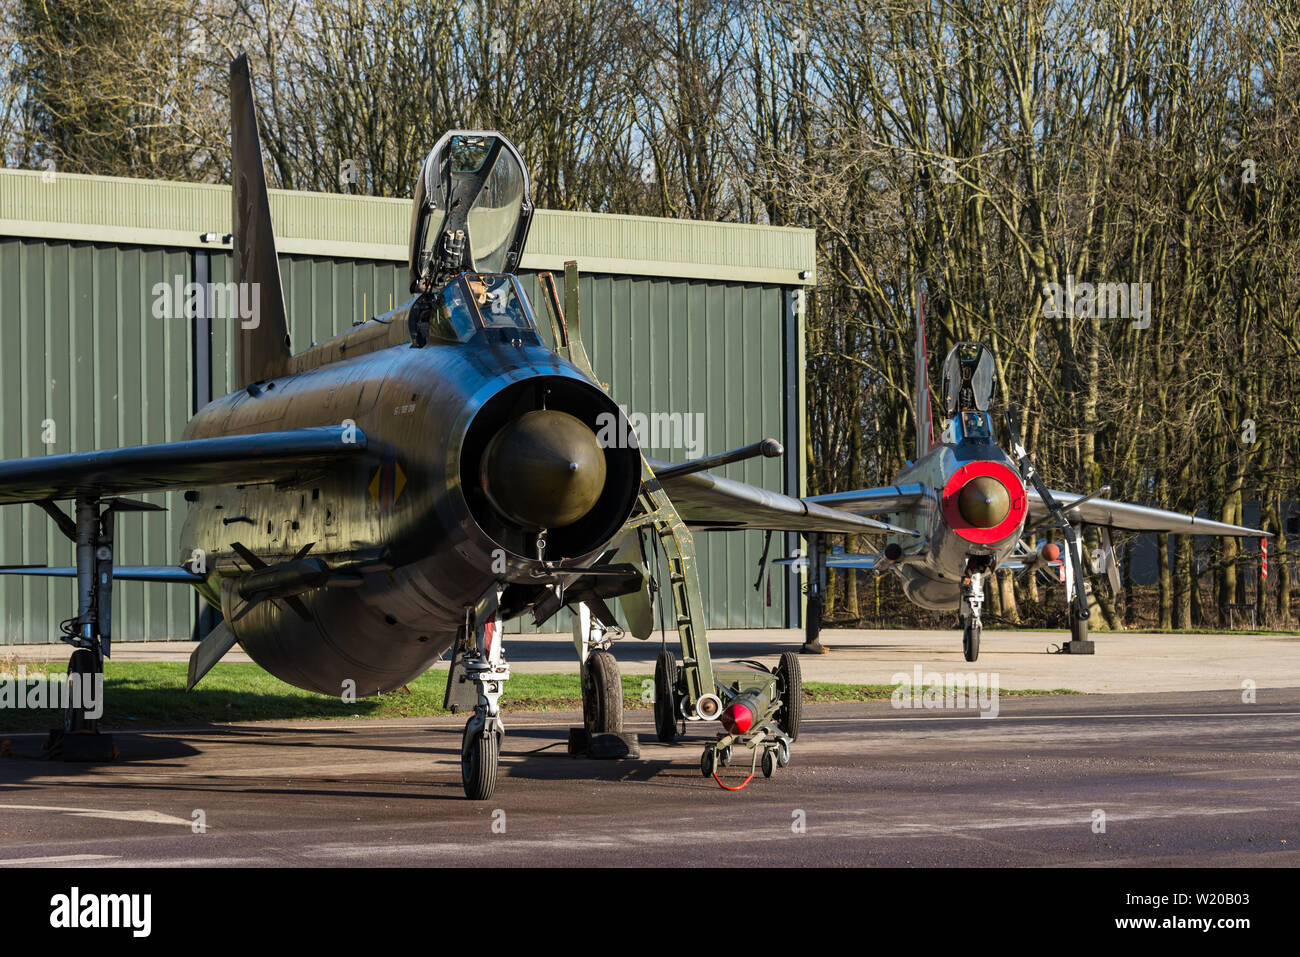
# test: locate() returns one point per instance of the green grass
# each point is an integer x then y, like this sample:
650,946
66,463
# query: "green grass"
824,691
152,693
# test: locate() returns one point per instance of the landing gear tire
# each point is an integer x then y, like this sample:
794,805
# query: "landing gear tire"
769,762
602,695
1078,626
478,763
708,762
812,644
666,697
789,681
970,640
86,665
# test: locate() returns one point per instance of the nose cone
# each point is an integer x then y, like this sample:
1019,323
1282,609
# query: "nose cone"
984,502
544,470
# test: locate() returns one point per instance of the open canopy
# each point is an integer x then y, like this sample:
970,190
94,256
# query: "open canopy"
472,209
967,378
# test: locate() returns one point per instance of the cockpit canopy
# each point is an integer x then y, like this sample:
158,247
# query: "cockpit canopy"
469,303
967,378
472,209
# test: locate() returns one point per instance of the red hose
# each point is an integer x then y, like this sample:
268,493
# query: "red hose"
737,787
741,786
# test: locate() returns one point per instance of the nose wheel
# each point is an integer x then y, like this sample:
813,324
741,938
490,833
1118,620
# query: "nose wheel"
475,681
970,639
972,603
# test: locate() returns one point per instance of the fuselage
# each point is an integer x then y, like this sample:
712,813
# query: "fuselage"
409,521
951,544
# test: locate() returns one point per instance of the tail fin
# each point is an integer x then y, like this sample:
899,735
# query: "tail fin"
924,413
264,337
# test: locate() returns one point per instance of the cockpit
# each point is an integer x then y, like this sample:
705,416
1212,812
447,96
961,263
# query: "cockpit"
967,391
469,222
471,303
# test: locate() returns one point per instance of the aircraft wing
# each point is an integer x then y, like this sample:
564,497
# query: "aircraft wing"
124,573
244,459
711,503
833,560
874,501
1134,518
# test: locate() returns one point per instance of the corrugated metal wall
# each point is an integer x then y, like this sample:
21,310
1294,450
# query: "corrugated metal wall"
81,353
79,345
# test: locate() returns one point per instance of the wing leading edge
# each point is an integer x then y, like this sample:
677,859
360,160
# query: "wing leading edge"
1128,517
711,503
193,463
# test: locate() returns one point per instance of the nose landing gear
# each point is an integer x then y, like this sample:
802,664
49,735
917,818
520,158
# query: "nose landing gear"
477,677
972,603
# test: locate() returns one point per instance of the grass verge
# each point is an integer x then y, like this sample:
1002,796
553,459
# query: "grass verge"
152,693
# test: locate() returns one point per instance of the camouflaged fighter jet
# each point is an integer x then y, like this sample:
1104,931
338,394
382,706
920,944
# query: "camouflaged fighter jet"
358,508
978,509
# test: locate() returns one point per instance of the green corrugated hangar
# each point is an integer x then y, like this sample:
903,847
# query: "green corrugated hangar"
699,319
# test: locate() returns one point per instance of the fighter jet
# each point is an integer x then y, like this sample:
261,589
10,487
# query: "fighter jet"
360,508
978,509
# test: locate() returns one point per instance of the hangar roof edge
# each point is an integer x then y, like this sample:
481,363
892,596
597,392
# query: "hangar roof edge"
153,212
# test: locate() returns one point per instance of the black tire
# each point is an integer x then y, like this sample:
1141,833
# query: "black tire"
970,641
708,762
769,762
602,695
813,620
478,767
85,664
666,697
789,684
1078,626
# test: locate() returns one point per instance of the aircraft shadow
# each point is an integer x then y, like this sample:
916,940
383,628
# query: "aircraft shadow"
528,753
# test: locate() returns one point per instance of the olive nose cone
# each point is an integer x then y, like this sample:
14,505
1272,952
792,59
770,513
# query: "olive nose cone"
545,469
984,502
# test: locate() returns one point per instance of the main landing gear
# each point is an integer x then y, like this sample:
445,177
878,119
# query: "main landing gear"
816,588
90,632
601,734
1077,590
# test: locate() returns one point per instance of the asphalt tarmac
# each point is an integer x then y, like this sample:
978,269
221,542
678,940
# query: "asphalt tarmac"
1182,778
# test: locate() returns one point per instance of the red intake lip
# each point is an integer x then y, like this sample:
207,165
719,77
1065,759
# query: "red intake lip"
952,512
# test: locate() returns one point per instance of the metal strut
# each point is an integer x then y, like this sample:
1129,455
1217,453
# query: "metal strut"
91,632
1076,584
655,509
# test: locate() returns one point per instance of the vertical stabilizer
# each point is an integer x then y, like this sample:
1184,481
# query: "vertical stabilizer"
924,414
263,338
